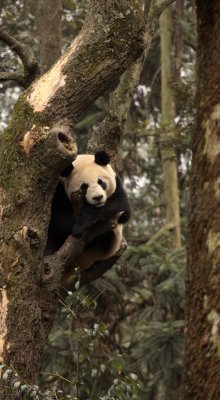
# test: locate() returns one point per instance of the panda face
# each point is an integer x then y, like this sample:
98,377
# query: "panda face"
96,192
96,182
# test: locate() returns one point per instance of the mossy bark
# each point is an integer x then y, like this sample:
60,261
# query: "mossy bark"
34,148
107,135
112,38
202,361
31,160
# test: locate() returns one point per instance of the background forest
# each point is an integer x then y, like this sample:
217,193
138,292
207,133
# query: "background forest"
122,335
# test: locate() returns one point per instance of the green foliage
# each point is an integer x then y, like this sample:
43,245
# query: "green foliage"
92,361
15,383
86,342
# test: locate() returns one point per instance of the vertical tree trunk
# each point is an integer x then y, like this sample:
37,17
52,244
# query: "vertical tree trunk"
48,20
168,153
202,363
178,39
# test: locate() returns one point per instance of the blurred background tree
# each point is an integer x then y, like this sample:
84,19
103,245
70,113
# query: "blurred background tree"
141,300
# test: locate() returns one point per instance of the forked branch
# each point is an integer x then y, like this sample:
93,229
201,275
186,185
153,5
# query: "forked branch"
30,63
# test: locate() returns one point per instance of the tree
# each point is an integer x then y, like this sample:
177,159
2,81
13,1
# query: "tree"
168,152
202,362
35,147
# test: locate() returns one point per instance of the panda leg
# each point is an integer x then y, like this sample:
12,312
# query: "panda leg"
101,248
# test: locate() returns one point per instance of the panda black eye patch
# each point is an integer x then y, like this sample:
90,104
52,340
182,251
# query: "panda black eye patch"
102,183
84,188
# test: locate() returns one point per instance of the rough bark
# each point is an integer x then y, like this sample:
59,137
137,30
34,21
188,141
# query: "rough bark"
35,147
107,135
202,362
111,39
168,153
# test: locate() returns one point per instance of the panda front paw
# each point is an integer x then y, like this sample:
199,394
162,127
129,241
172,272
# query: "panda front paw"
77,232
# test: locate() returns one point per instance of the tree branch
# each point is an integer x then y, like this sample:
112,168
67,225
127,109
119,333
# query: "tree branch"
25,54
107,135
159,233
12,76
62,261
153,10
163,4
100,267
109,132
109,41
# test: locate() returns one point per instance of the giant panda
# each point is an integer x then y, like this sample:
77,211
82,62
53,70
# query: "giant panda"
102,198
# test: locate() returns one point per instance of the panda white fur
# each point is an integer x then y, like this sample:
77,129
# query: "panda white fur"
102,197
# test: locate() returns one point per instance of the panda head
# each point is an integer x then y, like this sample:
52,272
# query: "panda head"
93,176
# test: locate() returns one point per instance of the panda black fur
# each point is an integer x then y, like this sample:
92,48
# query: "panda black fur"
103,196
61,221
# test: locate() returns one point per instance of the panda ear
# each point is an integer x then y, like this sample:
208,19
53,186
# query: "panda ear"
102,158
67,171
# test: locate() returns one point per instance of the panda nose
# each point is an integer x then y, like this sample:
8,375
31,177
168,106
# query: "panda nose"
98,198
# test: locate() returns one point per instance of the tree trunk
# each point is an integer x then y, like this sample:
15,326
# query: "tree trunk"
178,40
168,153
202,363
48,20
35,147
